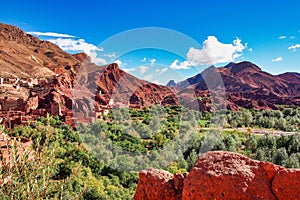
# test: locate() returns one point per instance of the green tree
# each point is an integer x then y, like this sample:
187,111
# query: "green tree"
292,162
280,156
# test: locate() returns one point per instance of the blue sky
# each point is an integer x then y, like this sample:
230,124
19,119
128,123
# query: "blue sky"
263,32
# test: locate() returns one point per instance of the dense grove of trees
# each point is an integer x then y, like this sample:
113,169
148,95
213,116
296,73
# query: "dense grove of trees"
287,119
101,160
283,150
63,168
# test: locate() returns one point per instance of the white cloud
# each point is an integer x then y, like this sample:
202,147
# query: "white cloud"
148,77
129,69
152,61
112,55
176,64
75,45
277,59
294,47
156,82
213,52
143,69
119,62
284,37
97,60
250,49
51,34
70,43
161,71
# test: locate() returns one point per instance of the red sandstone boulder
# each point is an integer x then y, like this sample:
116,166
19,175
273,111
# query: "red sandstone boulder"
222,175
225,175
286,184
155,184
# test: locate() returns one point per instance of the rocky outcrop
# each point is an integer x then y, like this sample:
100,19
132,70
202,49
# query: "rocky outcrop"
156,184
114,83
286,183
222,175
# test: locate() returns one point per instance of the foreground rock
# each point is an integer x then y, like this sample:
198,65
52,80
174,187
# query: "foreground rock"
222,175
286,184
156,184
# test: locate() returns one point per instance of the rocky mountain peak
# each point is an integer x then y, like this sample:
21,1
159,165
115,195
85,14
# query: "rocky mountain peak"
171,83
113,67
244,66
82,57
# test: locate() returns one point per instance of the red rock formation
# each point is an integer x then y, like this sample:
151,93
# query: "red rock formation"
223,175
156,184
116,84
286,183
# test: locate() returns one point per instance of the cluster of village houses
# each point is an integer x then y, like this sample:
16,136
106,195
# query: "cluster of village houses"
28,83
15,111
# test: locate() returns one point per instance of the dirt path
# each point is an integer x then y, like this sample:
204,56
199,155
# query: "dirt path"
253,130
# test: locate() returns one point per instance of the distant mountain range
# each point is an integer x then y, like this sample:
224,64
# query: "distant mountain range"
80,85
248,86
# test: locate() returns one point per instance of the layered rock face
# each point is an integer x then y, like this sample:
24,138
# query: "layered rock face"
222,175
114,83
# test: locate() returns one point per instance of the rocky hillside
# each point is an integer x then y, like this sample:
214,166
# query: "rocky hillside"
121,86
70,77
45,79
247,86
291,77
221,175
112,86
23,55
